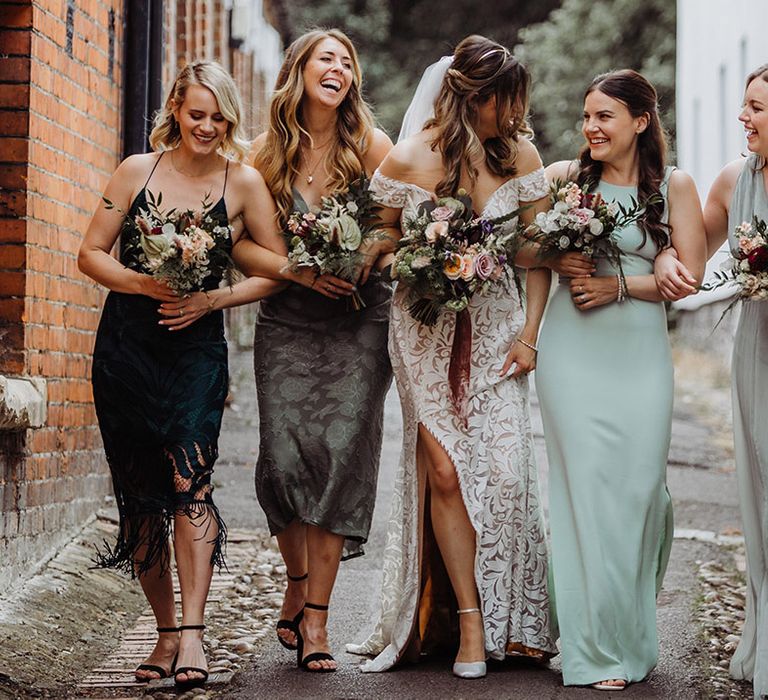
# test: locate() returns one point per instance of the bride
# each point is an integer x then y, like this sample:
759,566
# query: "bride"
466,506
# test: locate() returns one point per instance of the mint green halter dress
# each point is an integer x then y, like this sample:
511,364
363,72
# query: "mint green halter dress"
605,381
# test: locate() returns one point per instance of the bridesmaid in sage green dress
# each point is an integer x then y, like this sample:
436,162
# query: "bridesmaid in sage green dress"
604,379
738,194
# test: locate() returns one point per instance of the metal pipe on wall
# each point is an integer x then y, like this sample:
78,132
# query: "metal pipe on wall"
143,62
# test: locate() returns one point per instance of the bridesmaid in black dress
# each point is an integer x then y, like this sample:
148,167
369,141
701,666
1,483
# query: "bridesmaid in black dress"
322,368
160,361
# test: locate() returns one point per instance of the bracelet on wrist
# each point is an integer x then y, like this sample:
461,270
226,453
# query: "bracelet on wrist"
210,299
622,294
528,345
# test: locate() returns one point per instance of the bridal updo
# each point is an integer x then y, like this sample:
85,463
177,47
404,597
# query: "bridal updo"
481,69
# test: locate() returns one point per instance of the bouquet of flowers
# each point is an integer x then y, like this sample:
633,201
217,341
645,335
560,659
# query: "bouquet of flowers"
582,222
447,254
748,267
329,239
181,248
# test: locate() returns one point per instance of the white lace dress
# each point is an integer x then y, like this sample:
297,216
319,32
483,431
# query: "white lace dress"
494,459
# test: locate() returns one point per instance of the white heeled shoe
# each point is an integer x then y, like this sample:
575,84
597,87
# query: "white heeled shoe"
469,669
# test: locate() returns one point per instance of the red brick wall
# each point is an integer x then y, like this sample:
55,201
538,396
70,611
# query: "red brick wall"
59,143
60,117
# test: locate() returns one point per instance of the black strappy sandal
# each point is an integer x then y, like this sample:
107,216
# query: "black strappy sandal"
190,682
303,662
159,670
289,625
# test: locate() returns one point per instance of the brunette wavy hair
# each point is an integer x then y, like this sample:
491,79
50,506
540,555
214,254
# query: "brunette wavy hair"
165,132
280,158
639,96
480,69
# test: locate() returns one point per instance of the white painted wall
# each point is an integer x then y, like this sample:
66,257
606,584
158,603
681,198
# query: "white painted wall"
718,43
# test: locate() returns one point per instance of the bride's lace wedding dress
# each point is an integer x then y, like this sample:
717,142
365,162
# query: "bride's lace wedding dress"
494,458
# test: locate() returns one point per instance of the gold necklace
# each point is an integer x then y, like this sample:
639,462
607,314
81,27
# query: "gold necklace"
311,174
179,170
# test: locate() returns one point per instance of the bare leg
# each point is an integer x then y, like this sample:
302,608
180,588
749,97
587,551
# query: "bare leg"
324,554
159,592
193,543
456,539
293,546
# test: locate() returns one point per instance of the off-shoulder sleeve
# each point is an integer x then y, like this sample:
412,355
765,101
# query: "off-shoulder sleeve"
388,191
532,186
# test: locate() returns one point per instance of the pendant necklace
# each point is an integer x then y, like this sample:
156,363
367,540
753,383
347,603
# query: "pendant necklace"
311,174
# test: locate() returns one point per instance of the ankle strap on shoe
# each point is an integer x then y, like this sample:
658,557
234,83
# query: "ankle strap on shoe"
167,630
191,627
297,578
464,611
315,606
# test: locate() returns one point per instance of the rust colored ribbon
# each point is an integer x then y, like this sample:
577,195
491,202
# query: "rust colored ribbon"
459,367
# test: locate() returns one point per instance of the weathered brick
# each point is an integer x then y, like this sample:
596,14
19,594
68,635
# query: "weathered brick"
15,43
17,16
14,69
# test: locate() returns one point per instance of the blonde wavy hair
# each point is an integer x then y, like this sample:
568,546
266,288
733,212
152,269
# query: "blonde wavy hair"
280,158
165,132
481,69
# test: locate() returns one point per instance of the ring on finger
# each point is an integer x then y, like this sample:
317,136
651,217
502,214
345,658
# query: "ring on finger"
181,312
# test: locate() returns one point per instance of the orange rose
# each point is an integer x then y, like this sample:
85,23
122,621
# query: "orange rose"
452,267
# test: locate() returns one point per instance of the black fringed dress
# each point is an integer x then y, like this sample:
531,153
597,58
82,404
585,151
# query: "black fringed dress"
159,398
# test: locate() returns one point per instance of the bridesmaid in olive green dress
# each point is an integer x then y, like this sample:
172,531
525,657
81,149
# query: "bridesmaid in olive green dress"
604,379
322,368
738,194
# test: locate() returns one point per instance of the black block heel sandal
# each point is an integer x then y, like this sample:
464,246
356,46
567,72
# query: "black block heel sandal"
289,625
303,661
190,682
159,670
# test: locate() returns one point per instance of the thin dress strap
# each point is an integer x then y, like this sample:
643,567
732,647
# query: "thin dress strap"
154,167
226,175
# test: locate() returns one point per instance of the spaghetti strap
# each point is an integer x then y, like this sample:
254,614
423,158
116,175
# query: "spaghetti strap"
226,175
154,167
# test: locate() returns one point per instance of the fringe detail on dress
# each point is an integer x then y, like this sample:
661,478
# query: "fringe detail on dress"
149,532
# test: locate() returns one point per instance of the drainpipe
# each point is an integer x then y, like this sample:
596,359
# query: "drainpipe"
142,71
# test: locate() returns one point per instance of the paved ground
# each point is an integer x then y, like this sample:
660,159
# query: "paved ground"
703,487
71,620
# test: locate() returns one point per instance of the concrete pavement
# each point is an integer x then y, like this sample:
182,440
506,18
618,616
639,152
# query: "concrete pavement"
702,484
71,619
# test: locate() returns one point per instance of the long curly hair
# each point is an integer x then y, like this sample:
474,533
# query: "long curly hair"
166,133
280,158
480,69
639,96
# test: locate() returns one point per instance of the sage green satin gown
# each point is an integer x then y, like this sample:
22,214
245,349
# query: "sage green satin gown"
605,381
750,418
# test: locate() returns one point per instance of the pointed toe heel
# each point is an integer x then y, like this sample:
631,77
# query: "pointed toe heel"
471,669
